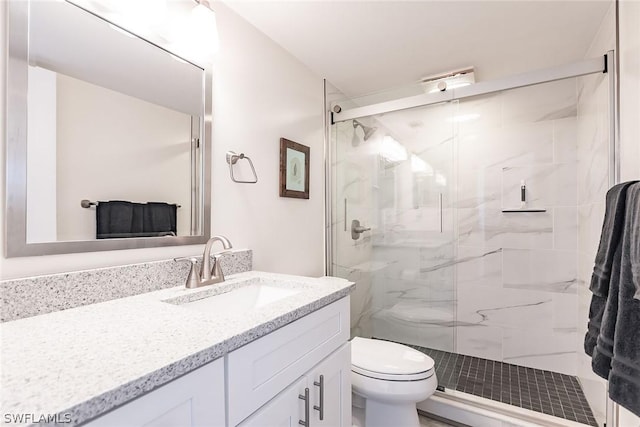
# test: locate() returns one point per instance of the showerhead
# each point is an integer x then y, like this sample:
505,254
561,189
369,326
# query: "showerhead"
368,131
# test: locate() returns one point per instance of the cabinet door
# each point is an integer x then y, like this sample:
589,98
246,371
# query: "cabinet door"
196,399
260,370
336,390
284,410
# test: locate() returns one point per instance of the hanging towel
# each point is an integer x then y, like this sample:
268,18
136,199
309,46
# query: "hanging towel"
603,352
159,217
624,379
123,219
118,218
602,277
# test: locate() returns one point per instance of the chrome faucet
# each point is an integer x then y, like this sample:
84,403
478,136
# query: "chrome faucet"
208,274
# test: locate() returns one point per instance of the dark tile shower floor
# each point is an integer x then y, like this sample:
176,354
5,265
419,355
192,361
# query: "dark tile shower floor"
541,391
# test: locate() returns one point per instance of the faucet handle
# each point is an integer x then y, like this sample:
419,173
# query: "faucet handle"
193,281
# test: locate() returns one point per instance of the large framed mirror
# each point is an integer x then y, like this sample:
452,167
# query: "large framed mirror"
108,135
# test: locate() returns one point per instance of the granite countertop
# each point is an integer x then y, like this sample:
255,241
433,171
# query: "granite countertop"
82,362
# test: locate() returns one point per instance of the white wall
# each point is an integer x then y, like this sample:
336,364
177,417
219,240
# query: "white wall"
41,152
629,29
261,93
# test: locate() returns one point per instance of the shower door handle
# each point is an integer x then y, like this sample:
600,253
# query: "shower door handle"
357,229
440,211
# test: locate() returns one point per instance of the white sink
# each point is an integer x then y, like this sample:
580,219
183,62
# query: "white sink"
242,299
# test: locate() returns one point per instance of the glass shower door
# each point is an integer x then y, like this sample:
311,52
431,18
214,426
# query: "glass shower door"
393,223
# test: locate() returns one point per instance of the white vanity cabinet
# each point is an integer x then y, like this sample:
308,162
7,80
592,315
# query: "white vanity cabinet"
328,388
193,400
286,409
266,378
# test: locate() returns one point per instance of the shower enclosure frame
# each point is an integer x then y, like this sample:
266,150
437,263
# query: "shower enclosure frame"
605,64
334,114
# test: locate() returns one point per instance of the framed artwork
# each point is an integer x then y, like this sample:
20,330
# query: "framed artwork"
294,169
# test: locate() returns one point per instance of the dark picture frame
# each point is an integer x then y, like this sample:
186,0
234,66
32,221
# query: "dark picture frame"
294,169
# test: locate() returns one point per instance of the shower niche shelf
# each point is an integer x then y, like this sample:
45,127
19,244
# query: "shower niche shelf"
522,210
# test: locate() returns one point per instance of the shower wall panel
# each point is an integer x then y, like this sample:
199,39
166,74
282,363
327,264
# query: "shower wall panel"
517,272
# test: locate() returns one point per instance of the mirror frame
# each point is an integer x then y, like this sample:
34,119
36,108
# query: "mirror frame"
16,244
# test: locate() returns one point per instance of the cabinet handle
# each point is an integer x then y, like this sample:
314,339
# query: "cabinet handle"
305,397
321,407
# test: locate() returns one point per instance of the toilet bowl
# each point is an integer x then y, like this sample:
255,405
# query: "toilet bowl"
387,381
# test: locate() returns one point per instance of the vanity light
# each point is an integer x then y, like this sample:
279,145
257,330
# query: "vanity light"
203,20
187,28
195,35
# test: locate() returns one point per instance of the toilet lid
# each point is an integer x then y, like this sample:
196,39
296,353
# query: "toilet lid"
383,357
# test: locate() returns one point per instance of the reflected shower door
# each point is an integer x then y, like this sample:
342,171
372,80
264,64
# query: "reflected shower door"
394,178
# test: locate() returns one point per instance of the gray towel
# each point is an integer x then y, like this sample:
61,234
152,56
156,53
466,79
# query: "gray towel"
600,280
122,219
624,379
603,353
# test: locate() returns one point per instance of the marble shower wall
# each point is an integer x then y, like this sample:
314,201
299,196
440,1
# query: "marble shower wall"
517,272
414,294
491,284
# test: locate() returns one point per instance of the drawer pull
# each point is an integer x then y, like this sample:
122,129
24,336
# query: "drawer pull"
321,407
305,397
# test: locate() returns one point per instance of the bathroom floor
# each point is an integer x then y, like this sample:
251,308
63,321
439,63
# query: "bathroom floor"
542,391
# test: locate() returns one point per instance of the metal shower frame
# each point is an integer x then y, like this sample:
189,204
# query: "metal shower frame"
603,64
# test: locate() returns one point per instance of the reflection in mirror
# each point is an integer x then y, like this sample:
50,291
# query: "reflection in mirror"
102,131
109,116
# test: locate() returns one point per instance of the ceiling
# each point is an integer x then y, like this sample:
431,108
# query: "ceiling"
368,46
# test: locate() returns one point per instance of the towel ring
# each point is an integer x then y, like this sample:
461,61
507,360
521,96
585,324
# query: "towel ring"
232,159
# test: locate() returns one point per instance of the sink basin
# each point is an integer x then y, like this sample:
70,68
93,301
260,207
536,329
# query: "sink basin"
242,299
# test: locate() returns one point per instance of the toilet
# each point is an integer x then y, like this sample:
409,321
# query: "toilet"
387,381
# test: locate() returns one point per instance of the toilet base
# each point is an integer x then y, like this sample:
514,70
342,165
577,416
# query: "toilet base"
381,414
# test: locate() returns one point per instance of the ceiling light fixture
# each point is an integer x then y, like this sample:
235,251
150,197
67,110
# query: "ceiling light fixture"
449,80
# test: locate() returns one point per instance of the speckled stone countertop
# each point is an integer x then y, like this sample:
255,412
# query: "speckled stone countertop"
82,362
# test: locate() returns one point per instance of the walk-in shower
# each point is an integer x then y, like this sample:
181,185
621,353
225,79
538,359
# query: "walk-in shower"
458,262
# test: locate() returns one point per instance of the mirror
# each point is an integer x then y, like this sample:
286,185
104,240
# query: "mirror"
97,114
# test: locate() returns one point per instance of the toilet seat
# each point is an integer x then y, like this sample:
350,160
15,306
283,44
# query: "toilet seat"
392,377
389,361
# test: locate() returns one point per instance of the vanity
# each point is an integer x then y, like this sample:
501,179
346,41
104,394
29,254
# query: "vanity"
259,349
